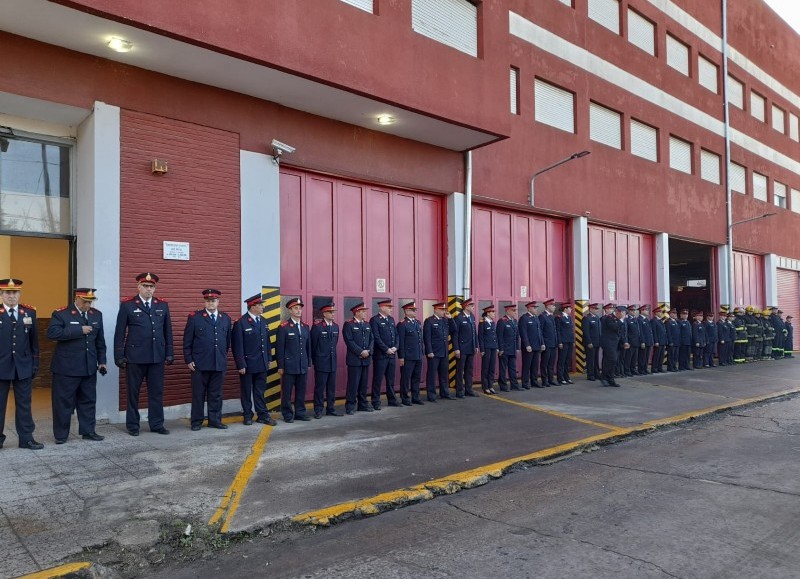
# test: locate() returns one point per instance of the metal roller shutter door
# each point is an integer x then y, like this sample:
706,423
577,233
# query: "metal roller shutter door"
789,292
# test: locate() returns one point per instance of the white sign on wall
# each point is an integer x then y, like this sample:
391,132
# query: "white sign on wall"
523,291
612,289
380,285
178,250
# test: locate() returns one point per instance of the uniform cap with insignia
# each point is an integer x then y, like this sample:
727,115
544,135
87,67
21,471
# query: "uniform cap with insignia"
329,307
658,310
253,300
549,301
594,306
621,308
294,302
410,306
358,307
510,306
147,277
10,284
644,307
440,306
534,303
673,311
386,302
608,306
488,309
86,293
789,317
211,294
632,307
467,302
780,312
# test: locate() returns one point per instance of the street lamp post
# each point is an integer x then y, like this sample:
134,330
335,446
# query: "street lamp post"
553,166
730,252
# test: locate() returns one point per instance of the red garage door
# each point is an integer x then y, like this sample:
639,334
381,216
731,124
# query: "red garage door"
353,242
621,266
789,293
748,279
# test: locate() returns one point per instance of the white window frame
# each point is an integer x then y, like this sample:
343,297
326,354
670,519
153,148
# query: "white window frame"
779,191
567,2
759,186
605,126
644,141
451,22
735,92
678,55
796,200
794,127
710,164
738,178
606,14
514,94
680,155
365,5
708,74
778,119
641,32
758,106
554,106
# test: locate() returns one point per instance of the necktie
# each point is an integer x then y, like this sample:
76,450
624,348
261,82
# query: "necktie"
84,318
213,318
147,307
13,316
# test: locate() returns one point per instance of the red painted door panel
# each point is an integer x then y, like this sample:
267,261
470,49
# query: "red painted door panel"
748,284
627,260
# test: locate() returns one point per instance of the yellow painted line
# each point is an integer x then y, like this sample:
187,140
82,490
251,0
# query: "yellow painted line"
481,475
230,502
59,571
556,413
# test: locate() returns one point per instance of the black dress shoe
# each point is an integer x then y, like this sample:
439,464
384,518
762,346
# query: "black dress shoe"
91,436
196,427
613,384
459,395
318,414
333,413
267,420
406,402
570,381
247,421
2,440
61,440
377,408
526,387
161,430
31,445
394,403
218,425
551,383
518,388
349,411
418,402
133,432
448,397
288,420
432,400
505,389
537,385
366,409
302,418
472,394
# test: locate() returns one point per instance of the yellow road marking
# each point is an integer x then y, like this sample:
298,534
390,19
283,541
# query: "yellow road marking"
59,571
556,413
230,502
481,475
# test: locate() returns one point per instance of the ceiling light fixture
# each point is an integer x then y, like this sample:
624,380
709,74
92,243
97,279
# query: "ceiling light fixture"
386,119
120,44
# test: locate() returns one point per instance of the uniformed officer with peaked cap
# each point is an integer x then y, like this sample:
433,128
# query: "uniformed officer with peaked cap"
410,355
293,355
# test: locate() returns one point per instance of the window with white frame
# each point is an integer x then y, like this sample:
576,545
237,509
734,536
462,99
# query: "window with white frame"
567,2
735,92
778,119
680,155
514,91
707,73
738,177
709,166
365,5
759,186
605,126
677,55
779,194
794,127
451,22
795,200
605,13
644,141
758,105
641,32
554,106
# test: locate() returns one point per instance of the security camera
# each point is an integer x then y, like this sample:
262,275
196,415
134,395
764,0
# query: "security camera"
281,148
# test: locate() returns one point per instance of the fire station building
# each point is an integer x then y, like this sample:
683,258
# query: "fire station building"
635,151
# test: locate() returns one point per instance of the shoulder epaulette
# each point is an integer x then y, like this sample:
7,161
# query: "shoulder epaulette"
192,314
159,300
286,323
131,299
319,322
27,307
62,309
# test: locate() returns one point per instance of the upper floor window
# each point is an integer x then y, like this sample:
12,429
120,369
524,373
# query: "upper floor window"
514,91
778,119
554,106
795,200
779,194
738,177
605,126
735,92
641,32
35,178
709,166
644,141
759,186
451,22
758,105
567,2
677,55
707,73
605,13
794,127
366,5
680,155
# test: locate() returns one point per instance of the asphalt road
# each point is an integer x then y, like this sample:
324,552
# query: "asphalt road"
714,498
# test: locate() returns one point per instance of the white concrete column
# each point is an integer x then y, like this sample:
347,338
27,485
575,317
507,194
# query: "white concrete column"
662,268
580,258
455,244
725,297
260,222
770,280
97,203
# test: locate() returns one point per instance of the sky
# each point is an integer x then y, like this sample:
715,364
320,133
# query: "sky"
789,10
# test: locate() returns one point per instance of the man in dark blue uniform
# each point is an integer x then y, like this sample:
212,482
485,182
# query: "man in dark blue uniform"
251,354
142,345
465,341
19,360
435,336
659,330
698,340
550,339
724,331
359,342
646,335
779,325
788,341
566,343
410,355
79,354
591,340
685,344
206,341
612,342
293,355
384,333
531,346
631,355
487,343
507,346
712,337
324,340
731,337
673,340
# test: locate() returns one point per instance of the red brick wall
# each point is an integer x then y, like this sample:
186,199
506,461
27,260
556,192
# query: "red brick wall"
196,201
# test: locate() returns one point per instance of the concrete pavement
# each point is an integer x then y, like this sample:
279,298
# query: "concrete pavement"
128,491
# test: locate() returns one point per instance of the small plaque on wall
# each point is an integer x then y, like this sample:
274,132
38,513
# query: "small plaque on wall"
178,250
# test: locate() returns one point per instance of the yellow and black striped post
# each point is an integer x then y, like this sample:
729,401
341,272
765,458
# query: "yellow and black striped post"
665,309
581,307
453,307
271,297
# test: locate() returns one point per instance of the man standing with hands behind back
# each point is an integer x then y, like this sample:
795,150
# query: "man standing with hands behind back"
142,345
